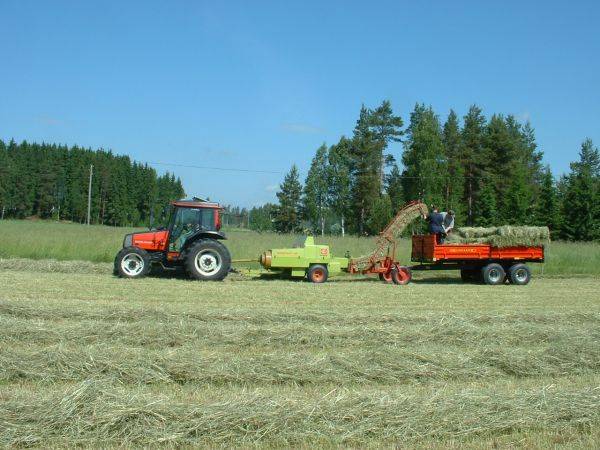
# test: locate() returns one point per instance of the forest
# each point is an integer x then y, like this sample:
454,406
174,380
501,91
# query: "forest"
489,170
51,182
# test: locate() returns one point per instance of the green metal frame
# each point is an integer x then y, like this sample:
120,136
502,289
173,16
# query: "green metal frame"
297,260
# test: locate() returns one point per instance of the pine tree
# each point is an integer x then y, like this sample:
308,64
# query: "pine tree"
315,190
547,207
532,157
425,166
5,172
288,214
339,181
581,210
261,217
381,214
366,186
46,177
374,130
454,188
485,210
524,174
506,169
51,181
386,128
472,156
22,182
394,188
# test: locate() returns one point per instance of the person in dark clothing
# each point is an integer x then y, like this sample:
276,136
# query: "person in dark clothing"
436,225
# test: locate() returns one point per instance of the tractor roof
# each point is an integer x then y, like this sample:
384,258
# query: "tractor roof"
196,203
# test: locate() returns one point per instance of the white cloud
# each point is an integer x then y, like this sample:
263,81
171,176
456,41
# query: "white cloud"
271,187
524,116
301,128
218,152
51,121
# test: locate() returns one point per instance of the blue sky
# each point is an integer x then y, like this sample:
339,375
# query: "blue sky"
260,85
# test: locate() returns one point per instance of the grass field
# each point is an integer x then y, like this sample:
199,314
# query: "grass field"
92,360
60,241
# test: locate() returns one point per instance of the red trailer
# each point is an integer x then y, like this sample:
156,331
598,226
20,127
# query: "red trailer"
476,262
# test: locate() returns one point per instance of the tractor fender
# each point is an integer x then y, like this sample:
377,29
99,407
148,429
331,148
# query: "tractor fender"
202,234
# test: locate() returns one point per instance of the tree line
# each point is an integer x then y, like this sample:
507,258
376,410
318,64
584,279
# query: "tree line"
51,181
489,170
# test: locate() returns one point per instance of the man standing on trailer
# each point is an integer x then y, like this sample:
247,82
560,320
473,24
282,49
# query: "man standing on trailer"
436,225
448,222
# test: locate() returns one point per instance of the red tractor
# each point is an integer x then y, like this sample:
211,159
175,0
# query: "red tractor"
189,239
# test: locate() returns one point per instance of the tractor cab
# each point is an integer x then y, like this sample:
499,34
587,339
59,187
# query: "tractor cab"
189,237
187,218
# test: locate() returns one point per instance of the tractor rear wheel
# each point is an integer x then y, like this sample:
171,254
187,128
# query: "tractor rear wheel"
401,275
208,260
317,273
519,274
493,274
132,262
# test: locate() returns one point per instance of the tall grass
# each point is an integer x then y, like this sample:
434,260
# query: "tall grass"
60,241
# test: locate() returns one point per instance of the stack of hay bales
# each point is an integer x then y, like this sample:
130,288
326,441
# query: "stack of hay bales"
504,236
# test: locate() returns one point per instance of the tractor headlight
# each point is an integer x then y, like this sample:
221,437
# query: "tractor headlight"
128,240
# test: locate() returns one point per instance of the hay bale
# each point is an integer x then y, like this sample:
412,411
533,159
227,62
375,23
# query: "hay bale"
509,236
504,236
476,232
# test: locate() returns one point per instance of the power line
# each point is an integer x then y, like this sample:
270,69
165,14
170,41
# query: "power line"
227,169
277,172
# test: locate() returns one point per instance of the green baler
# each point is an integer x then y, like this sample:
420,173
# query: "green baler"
315,262
305,259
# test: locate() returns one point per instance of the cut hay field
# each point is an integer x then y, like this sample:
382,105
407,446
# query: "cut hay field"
90,360
63,241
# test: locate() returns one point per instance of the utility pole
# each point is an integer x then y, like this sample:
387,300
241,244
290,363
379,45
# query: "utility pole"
90,194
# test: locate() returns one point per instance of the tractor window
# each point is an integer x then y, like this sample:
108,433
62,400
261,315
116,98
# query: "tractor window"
207,219
188,221
164,219
184,225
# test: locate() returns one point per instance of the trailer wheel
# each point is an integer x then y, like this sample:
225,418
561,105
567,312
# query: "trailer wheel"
317,273
401,275
493,274
132,262
519,274
386,277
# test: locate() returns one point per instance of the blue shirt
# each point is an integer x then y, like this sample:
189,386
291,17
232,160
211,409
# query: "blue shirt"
436,223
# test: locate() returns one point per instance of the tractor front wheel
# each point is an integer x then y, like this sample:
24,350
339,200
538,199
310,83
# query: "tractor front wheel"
132,262
317,273
208,260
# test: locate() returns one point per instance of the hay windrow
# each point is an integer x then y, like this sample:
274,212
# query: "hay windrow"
89,360
54,266
95,411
